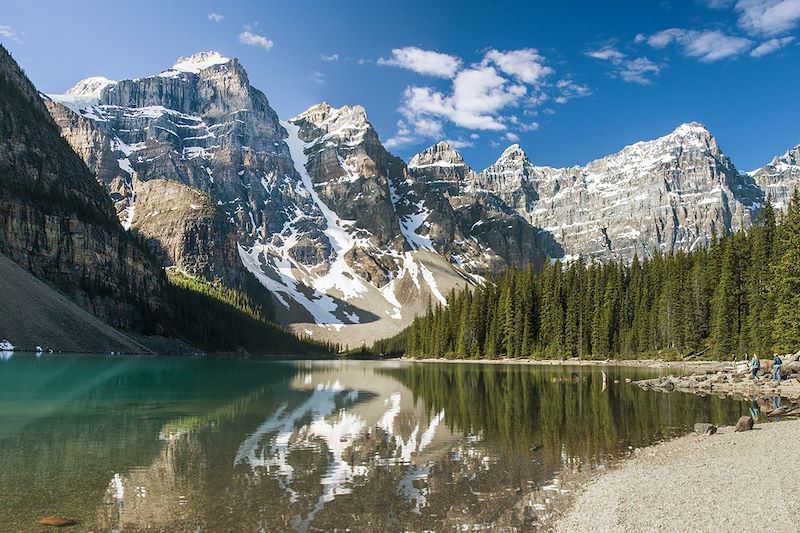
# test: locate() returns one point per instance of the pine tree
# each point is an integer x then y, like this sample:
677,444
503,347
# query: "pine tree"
786,280
723,306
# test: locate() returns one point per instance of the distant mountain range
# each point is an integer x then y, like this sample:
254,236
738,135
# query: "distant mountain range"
352,241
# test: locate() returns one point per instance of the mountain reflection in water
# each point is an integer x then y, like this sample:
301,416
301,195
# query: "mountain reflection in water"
180,444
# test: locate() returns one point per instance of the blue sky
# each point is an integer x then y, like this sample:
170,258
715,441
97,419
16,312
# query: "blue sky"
569,81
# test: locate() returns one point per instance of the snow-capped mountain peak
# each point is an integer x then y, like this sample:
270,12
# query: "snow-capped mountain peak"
691,128
349,121
440,154
780,177
514,155
91,87
514,151
199,61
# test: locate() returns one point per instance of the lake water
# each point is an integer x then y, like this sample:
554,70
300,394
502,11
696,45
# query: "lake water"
180,444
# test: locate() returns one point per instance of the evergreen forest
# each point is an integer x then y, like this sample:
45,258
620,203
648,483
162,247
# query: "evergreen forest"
740,295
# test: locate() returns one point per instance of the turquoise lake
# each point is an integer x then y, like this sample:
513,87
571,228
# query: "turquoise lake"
200,444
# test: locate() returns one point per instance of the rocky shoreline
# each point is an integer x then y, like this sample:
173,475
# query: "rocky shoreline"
733,379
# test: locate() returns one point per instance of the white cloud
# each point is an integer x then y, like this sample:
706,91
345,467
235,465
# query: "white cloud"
10,33
216,17
569,90
636,70
423,61
479,94
474,136
768,17
403,137
253,39
458,144
511,136
767,47
318,77
488,95
423,128
526,64
523,126
606,54
704,45
332,57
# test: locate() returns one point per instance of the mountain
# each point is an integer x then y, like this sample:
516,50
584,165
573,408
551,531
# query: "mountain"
57,222
336,227
62,243
780,177
669,194
350,240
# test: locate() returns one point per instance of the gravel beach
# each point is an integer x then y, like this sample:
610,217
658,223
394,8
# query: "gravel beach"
729,481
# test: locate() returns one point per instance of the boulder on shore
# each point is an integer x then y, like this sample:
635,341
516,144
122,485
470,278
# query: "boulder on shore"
745,423
704,428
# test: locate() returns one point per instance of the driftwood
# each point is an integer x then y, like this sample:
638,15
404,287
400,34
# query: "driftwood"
698,354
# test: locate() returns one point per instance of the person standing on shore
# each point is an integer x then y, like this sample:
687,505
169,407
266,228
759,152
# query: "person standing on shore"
776,368
755,366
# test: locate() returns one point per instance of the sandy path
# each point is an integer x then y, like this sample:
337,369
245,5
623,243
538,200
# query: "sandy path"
722,482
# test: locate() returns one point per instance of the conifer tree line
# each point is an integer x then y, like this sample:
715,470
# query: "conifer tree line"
742,294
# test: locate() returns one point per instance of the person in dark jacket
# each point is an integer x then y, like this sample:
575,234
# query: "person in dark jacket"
776,368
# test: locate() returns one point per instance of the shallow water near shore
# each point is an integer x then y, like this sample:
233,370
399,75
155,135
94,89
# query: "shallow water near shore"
181,444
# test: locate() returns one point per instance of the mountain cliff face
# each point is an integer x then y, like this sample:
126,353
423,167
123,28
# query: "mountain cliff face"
351,240
780,177
669,194
57,222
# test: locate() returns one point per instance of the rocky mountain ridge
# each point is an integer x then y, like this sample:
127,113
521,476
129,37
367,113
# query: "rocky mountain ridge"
57,222
351,240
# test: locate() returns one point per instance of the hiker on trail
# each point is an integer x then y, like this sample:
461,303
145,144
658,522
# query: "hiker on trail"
776,368
755,366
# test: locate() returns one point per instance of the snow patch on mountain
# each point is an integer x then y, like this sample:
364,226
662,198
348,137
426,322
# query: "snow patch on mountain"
340,276
84,94
90,87
197,62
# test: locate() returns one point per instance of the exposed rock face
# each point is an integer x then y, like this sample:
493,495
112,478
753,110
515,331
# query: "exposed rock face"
474,227
55,219
95,149
186,230
199,124
351,169
780,177
511,178
669,194
311,209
